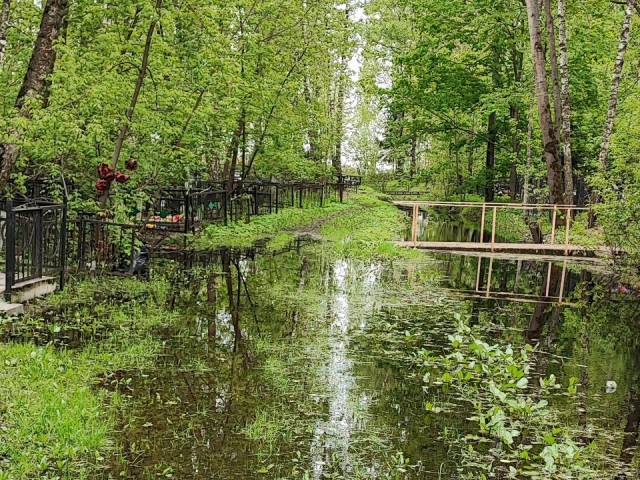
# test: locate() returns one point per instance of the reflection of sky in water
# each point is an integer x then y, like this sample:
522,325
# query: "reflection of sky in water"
332,436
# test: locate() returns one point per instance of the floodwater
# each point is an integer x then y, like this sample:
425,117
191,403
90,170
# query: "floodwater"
289,364
297,364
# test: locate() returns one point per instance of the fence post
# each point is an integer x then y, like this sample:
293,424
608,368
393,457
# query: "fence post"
277,197
82,237
11,251
187,223
300,198
63,246
133,250
38,247
322,196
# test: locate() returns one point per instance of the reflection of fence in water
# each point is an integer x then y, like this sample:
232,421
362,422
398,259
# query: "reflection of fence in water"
551,289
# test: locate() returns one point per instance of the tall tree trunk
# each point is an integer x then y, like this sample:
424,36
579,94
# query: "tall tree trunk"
124,129
414,156
517,59
492,134
34,84
551,154
625,35
4,26
514,113
336,160
567,154
553,58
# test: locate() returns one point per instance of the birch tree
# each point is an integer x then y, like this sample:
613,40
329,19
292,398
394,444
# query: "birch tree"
551,154
625,36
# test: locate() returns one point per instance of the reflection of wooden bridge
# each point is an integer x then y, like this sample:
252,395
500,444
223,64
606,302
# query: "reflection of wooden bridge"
490,211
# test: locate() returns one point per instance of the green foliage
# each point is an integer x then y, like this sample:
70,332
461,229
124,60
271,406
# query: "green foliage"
53,417
518,432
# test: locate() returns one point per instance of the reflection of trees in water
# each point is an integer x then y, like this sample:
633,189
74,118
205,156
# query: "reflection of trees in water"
543,329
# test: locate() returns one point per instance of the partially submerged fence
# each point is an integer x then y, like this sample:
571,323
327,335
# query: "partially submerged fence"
39,242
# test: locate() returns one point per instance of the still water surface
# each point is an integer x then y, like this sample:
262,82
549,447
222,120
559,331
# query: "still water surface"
287,364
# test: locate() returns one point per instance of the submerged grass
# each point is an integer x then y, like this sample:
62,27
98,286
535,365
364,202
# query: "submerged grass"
53,417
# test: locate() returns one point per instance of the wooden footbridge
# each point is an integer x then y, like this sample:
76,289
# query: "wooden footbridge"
487,245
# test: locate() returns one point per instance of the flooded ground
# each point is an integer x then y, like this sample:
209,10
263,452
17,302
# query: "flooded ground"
297,364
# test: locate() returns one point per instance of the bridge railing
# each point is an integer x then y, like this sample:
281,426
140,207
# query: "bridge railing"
555,211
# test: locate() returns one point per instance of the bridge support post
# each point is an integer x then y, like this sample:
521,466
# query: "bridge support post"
484,217
493,228
553,226
489,279
562,281
566,234
414,225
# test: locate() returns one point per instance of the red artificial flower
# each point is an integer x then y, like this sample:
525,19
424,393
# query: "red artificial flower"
132,164
122,178
102,186
105,172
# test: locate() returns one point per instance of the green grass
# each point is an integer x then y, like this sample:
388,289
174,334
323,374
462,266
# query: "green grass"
369,231
282,224
245,234
56,421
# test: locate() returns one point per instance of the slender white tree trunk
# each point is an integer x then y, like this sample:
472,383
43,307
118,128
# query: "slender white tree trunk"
549,139
566,104
625,35
553,59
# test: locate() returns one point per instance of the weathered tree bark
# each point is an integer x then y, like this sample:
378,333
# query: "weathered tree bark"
34,84
553,59
567,154
4,26
625,35
549,140
492,134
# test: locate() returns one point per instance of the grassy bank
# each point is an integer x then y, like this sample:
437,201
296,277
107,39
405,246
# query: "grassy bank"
368,231
362,219
53,417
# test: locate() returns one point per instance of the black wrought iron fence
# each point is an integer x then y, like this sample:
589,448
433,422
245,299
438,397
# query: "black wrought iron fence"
34,242
103,246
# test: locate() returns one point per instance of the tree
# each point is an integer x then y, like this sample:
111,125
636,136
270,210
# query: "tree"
34,85
549,140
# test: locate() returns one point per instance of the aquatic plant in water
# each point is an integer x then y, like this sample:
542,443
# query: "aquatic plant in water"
514,430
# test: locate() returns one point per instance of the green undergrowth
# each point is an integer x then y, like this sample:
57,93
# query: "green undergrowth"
246,234
58,402
369,231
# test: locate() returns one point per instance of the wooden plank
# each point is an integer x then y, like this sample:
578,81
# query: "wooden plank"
515,206
553,226
509,247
